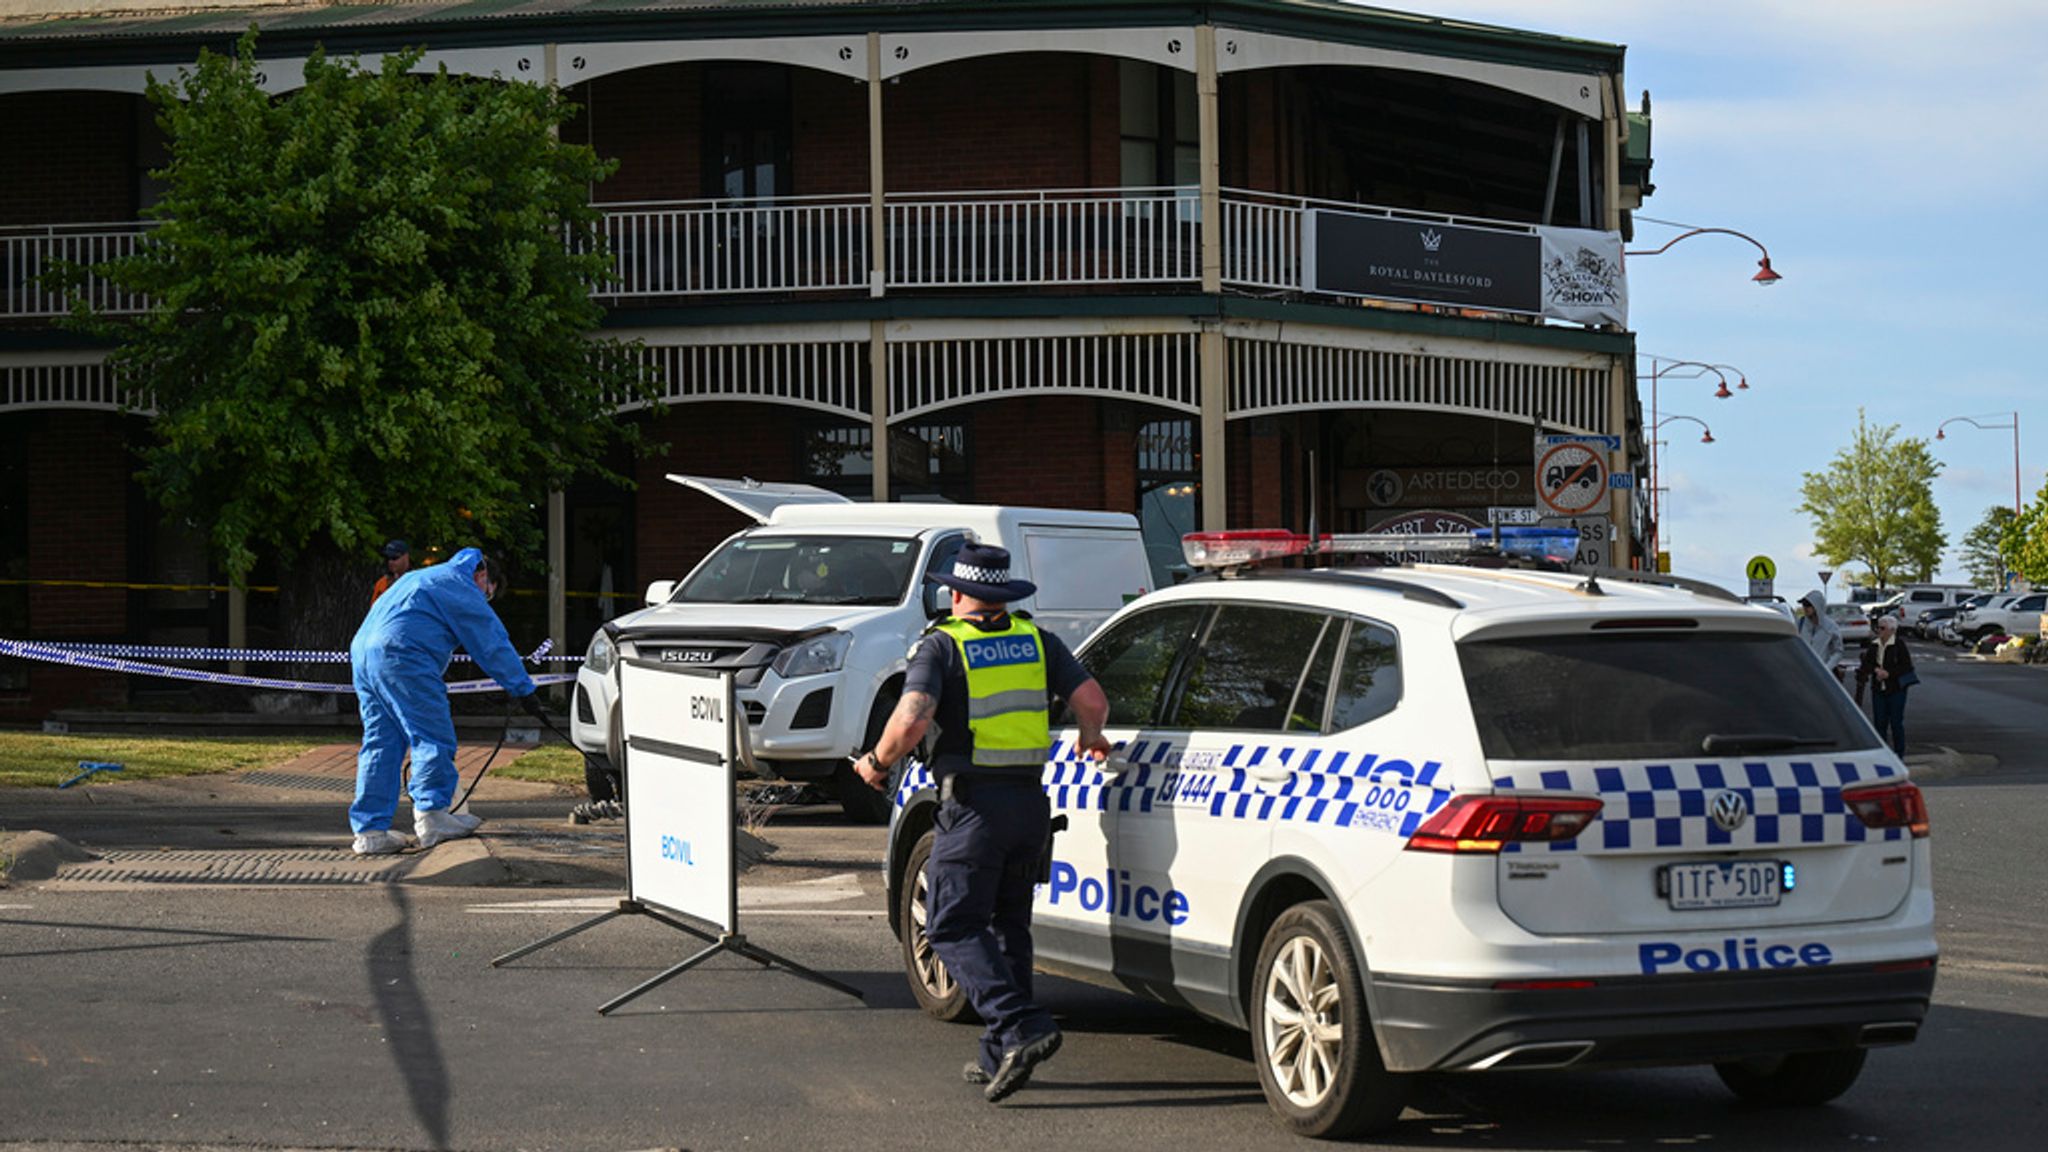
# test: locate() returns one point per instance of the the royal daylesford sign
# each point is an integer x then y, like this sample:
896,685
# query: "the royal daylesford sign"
1569,274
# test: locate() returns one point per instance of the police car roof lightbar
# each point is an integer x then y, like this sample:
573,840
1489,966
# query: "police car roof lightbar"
1241,547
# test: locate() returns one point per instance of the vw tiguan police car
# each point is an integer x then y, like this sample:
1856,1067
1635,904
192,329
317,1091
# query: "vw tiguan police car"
1435,818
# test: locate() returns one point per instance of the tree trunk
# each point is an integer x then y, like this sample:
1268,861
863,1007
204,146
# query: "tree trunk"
322,596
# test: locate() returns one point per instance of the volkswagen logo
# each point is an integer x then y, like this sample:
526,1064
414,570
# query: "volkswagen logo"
1730,809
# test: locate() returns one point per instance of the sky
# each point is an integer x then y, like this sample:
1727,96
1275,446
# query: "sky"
1893,158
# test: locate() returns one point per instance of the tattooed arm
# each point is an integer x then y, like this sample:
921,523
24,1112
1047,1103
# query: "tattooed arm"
906,727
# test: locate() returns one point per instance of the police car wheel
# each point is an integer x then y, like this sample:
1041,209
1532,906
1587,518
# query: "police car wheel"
930,983
1312,1039
1794,1080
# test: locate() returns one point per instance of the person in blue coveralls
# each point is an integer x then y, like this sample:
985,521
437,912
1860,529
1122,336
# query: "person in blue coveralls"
399,655
985,675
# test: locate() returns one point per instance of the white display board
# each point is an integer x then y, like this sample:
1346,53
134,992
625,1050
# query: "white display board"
678,725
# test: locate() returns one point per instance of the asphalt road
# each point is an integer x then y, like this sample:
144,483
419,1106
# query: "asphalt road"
369,1017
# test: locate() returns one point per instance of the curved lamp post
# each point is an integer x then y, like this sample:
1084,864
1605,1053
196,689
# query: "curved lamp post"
2012,421
1657,479
1765,276
1659,368
1706,433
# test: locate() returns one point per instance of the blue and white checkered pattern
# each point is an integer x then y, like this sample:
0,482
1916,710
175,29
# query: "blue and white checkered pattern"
1340,789
980,575
1649,807
1665,807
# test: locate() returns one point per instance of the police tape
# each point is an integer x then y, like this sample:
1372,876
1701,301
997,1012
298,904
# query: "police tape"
251,655
134,586
31,650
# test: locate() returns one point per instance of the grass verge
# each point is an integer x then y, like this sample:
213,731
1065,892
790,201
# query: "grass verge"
37,760
551,763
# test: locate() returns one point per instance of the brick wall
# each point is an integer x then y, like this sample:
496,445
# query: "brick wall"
647,120
1044,451
829,134
673,526
69,157
1021,121
1256,458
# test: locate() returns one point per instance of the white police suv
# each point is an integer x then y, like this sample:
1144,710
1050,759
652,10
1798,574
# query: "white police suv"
1433,818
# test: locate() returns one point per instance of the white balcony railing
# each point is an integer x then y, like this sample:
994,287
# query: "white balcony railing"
29,255
1044,238
805,244
719,247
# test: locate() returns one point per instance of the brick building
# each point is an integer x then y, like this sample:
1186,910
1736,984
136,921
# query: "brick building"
1228,264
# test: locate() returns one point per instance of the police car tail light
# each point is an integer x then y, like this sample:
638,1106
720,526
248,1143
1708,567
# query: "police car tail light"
1486,823
1241,547
1897,805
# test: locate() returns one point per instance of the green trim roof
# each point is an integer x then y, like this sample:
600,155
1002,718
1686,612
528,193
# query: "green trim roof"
368,27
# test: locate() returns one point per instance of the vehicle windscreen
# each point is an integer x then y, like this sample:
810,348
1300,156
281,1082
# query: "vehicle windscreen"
803,570
1656,695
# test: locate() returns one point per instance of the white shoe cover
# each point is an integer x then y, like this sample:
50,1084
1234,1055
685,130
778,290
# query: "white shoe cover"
381,843
437,824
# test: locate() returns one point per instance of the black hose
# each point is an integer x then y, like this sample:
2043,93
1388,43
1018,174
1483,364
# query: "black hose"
500,745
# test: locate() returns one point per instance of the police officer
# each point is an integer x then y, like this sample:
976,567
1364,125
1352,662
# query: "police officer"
984,675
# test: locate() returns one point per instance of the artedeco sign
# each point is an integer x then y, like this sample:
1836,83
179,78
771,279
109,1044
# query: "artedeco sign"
1563,273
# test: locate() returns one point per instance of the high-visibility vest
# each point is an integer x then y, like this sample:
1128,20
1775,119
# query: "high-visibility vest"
1006,693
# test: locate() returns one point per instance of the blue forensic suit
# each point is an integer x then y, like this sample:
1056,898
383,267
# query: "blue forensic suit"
400,655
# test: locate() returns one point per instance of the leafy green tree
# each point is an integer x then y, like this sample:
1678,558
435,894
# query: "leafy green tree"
369,317
1874,504
2025,541
1982,552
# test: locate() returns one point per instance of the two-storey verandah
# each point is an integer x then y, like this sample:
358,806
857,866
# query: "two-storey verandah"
1027,253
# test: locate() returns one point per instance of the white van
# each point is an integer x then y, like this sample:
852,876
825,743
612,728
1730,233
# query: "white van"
1917,598
814,611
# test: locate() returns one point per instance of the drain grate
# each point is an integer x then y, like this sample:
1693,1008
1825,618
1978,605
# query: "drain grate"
238,866
301,782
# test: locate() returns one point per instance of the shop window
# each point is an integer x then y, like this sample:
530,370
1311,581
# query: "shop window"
929,461
1168,473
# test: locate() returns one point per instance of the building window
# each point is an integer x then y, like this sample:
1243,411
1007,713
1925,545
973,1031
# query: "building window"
746,131
1169,469
928,461
1160,126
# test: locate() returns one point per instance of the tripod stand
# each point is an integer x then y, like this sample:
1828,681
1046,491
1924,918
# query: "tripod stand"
733,942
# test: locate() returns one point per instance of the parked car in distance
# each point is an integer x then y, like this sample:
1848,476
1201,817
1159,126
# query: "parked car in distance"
1853,620
1929,625
1914,599
1866,595
2013,614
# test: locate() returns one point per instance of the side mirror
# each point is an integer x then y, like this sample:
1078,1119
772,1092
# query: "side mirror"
659,592
938,601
